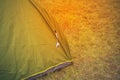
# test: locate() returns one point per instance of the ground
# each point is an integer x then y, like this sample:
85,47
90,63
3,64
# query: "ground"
92,28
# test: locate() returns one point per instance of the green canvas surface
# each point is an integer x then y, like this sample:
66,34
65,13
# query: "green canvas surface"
27,40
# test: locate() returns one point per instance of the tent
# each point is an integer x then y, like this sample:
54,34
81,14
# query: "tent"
31,43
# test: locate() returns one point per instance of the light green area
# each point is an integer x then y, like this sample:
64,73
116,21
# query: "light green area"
27,40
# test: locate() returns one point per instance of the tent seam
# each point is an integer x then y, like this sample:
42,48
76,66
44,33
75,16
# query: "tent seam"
37,73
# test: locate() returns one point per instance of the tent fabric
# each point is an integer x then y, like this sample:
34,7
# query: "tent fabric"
28,41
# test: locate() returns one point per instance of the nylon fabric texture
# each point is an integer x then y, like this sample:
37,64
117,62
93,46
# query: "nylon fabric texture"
28,40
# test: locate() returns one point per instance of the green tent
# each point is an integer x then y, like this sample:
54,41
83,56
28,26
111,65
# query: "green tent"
31,44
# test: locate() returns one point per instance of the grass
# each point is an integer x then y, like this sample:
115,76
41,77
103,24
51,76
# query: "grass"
92,28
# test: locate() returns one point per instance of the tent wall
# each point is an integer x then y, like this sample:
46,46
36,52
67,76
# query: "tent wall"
28,42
